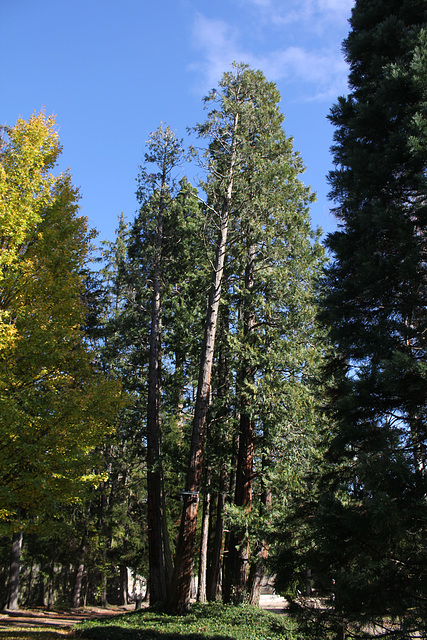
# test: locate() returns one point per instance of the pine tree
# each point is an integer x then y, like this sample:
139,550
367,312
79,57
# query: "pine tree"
371,524
164,152
222,129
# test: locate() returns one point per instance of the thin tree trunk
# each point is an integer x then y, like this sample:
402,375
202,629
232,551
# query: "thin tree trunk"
106,504
167,551
201,591
257,572
228,570
30,583
258,568
238,550
51,587
104,581
146,597
123,584
223,385
217,546
86,591
78,581
157,575
179,600
14,571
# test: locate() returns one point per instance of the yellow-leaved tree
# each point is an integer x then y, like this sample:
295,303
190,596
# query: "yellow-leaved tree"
56,407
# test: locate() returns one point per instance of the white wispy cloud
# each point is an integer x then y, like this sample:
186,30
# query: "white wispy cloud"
321,74
340,8
307,11
317,73
217,43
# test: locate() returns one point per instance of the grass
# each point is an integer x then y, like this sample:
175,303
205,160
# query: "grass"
38,633
209,621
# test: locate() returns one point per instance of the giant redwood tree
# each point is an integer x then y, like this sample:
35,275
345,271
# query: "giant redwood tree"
371,527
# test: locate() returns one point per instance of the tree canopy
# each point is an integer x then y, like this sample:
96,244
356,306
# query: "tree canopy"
368,534
55,406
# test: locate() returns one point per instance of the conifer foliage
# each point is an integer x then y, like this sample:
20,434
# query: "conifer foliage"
267,262
371,526
205,308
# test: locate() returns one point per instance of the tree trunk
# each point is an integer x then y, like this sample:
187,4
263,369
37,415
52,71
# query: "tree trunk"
228,571
157,574
104,583
123,584
14,571
258,568
51,587
256,576
78,581
223,444
168,558
179,600
238,550
201,590
217,546
30,584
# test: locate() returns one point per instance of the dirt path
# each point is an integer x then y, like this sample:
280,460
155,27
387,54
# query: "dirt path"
55,619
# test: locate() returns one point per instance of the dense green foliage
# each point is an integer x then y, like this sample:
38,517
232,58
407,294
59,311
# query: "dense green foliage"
306,454
265,272
55,406
215,621
365,539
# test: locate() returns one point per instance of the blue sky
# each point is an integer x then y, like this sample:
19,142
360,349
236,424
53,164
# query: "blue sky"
111,70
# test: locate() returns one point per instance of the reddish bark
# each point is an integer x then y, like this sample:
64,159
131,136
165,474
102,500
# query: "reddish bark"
179,600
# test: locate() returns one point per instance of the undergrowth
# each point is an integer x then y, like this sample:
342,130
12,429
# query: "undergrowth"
207,621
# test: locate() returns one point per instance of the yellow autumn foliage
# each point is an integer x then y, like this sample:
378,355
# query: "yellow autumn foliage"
55,406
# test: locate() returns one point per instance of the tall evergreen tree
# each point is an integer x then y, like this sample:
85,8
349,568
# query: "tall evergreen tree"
158,326
275,264
164,152
371,524
265,249
222,129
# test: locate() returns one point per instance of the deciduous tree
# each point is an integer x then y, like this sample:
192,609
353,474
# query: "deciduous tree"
55,407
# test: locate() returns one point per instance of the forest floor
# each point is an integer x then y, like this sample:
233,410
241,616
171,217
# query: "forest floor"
61,622
55,620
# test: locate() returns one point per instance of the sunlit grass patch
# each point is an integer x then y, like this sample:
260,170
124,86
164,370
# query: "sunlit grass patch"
212,621
38,633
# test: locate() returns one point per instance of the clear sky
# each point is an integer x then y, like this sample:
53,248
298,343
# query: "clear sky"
111,70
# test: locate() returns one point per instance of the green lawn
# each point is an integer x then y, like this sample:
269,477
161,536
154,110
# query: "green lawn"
34,634
212,621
